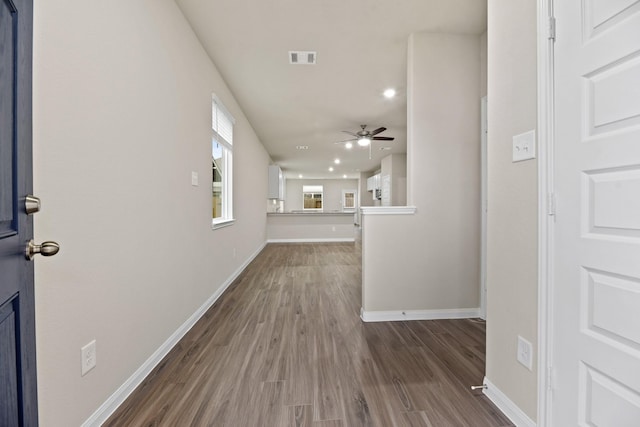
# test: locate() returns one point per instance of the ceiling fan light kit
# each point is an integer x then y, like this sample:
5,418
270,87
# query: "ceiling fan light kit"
364,137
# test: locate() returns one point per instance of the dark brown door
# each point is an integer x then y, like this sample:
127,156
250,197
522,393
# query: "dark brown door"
18,403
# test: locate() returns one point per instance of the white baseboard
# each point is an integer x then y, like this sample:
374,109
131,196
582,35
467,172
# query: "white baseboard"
120,395
400,315
329,240
506,405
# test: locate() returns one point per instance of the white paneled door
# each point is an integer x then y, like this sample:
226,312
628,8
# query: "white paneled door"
596,285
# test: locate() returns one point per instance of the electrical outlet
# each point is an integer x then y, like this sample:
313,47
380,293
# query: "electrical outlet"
525,353
524,146
194,179
88,354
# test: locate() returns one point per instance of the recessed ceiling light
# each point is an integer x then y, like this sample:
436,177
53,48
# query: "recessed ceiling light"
336,161
344,176
330,168
348,146
300,176
389,93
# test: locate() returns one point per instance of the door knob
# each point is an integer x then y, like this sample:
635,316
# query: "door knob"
45,249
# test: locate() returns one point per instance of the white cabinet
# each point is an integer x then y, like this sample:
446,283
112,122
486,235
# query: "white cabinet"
373,182
276,183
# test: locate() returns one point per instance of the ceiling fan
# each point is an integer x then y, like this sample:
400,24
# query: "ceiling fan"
364,137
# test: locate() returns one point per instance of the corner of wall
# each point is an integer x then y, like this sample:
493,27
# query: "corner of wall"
512,188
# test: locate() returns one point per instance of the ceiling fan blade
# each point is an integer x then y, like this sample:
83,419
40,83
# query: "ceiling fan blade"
351,133
383,138
346,140
377,131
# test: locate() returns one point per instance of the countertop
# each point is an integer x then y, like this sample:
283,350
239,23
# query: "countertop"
296,213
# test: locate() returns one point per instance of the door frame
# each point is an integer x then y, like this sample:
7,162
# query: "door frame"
483,205
546,207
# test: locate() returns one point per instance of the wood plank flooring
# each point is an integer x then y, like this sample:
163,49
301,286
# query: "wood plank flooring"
285,346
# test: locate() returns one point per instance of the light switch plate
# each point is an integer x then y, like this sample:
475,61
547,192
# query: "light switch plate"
89,359
525,353
524,146
194,179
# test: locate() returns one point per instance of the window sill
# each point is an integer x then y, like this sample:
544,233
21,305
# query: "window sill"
221,223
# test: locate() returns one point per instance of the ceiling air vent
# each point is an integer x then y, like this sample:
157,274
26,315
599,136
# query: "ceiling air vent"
302,57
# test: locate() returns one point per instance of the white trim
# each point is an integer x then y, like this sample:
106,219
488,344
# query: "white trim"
545,221
220,105
221,223
311,240
401,315
483,206
388,210
121,394
506,405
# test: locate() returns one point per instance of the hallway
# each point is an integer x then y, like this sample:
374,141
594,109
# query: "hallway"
285,346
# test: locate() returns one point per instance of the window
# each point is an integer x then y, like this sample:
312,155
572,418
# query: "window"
312,197
222,164
349,200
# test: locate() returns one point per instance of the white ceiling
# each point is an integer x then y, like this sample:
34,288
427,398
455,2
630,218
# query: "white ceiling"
361,50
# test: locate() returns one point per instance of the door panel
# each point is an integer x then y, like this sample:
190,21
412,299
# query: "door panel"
18,399
596,288
9,401
607,402
7,116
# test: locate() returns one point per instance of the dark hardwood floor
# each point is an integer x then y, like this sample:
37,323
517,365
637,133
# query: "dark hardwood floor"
285,346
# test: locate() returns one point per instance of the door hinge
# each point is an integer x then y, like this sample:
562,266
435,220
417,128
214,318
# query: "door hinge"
552,28
550,378
551,204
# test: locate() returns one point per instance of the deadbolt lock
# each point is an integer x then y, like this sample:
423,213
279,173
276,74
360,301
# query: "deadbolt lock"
31,204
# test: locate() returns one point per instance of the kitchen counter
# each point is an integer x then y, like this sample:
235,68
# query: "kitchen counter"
298,226
298,213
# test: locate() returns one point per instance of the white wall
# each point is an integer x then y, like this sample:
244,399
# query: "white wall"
395,166
331,196
122,116
366,197
512,218
430,260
